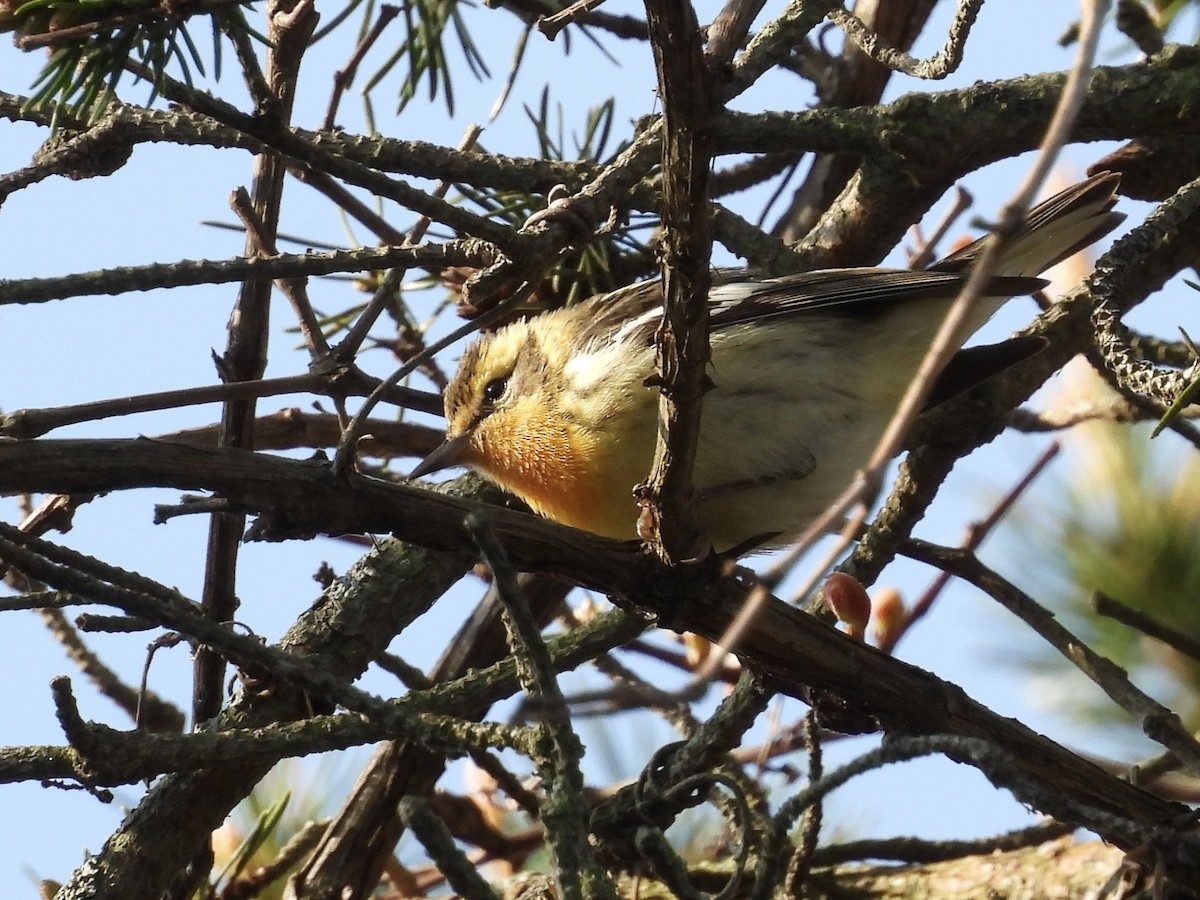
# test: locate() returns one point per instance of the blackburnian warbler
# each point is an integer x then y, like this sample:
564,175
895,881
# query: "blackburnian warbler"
807,371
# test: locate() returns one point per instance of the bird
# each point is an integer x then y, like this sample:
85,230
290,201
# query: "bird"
806,371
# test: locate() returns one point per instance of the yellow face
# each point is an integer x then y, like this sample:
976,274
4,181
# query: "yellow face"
506,401
570,434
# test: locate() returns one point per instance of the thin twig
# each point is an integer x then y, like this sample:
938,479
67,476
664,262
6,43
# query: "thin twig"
188,272
358,332
923,255
345,75
551,25
976,533
810,826
25,424
293,288
1146,624
1159,723
938,66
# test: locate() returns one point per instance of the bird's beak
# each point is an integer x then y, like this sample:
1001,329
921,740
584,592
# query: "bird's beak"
449,454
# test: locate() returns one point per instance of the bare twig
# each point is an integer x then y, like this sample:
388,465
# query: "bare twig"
976,533
938,66
30,423
1158,722
1146,624
345,75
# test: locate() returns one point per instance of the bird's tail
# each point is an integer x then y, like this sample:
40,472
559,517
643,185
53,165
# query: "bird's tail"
1054,229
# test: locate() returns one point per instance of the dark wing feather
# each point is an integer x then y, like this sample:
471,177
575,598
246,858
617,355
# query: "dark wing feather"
864,292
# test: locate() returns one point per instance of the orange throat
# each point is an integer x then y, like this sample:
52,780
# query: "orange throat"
546,466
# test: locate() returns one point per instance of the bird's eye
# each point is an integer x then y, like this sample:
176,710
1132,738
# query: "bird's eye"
494,389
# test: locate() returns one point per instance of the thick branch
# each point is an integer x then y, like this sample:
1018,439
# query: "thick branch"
784,643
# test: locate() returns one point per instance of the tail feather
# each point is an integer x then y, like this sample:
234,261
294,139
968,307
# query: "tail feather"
1054,229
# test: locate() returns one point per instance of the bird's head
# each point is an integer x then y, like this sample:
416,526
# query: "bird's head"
506,417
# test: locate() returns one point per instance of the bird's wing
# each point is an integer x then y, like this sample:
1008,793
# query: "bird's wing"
633,313
865,292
